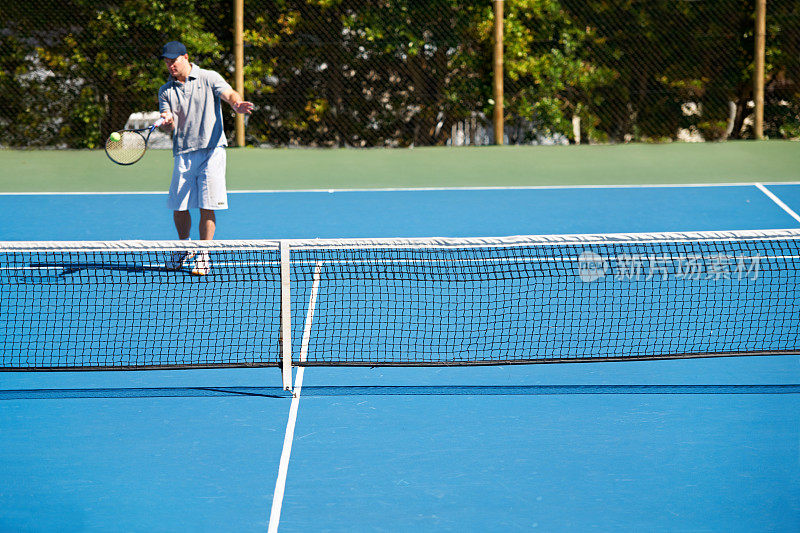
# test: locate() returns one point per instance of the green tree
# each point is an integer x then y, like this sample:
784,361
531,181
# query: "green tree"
75,70
678,64
550,76
358,73
782,91
365,73
403,72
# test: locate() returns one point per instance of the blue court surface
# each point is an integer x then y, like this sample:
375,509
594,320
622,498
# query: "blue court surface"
674,445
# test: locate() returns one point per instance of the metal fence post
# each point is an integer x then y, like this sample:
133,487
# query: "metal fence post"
238,52
758,71
498,72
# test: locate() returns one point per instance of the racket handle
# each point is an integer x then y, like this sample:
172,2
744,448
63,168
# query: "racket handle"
157,123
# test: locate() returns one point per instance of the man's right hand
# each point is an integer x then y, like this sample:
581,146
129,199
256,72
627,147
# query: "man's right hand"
169,123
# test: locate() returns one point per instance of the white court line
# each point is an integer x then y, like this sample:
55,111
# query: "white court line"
283,468
87,193
522,187
778,201
395,189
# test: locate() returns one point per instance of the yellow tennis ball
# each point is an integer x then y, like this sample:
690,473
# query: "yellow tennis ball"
114,136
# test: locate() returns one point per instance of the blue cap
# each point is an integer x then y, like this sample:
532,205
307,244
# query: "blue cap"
173,49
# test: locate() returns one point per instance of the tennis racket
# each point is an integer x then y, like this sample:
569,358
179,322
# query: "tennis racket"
126,147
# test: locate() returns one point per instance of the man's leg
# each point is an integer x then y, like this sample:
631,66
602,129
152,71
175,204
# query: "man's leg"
211,191
208,223
183,223
211,196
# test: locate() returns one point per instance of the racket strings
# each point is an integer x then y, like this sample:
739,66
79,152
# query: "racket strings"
128,149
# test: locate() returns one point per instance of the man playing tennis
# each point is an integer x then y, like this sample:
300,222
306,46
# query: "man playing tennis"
190,103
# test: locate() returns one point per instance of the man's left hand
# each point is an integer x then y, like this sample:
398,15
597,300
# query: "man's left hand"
243,107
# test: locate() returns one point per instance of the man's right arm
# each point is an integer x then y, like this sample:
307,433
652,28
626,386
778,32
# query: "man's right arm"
166,112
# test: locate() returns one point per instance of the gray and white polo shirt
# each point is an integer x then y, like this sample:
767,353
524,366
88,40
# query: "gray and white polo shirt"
197,110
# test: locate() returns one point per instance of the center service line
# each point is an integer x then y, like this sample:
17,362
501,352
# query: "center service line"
283,468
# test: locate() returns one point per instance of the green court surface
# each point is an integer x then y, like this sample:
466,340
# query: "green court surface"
281,169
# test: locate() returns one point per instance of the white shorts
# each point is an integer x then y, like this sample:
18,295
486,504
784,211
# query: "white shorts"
198,180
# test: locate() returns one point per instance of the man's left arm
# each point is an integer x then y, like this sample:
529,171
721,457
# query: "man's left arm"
237,102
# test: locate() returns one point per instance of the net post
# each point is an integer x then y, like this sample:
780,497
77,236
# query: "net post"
286,317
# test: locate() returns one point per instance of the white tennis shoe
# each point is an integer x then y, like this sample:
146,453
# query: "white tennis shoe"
202,265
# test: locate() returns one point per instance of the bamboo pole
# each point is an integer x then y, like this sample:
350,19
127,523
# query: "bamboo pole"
758,74
238,52
498,72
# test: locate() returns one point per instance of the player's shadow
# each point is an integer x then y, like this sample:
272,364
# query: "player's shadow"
43,273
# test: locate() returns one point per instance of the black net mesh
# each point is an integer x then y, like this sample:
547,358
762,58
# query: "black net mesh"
442,302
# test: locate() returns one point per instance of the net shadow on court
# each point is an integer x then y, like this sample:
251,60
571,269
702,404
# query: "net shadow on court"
388,390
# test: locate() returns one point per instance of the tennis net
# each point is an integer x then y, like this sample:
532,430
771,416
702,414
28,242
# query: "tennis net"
370,302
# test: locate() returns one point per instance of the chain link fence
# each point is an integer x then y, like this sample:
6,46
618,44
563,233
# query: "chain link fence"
366,73
684,68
